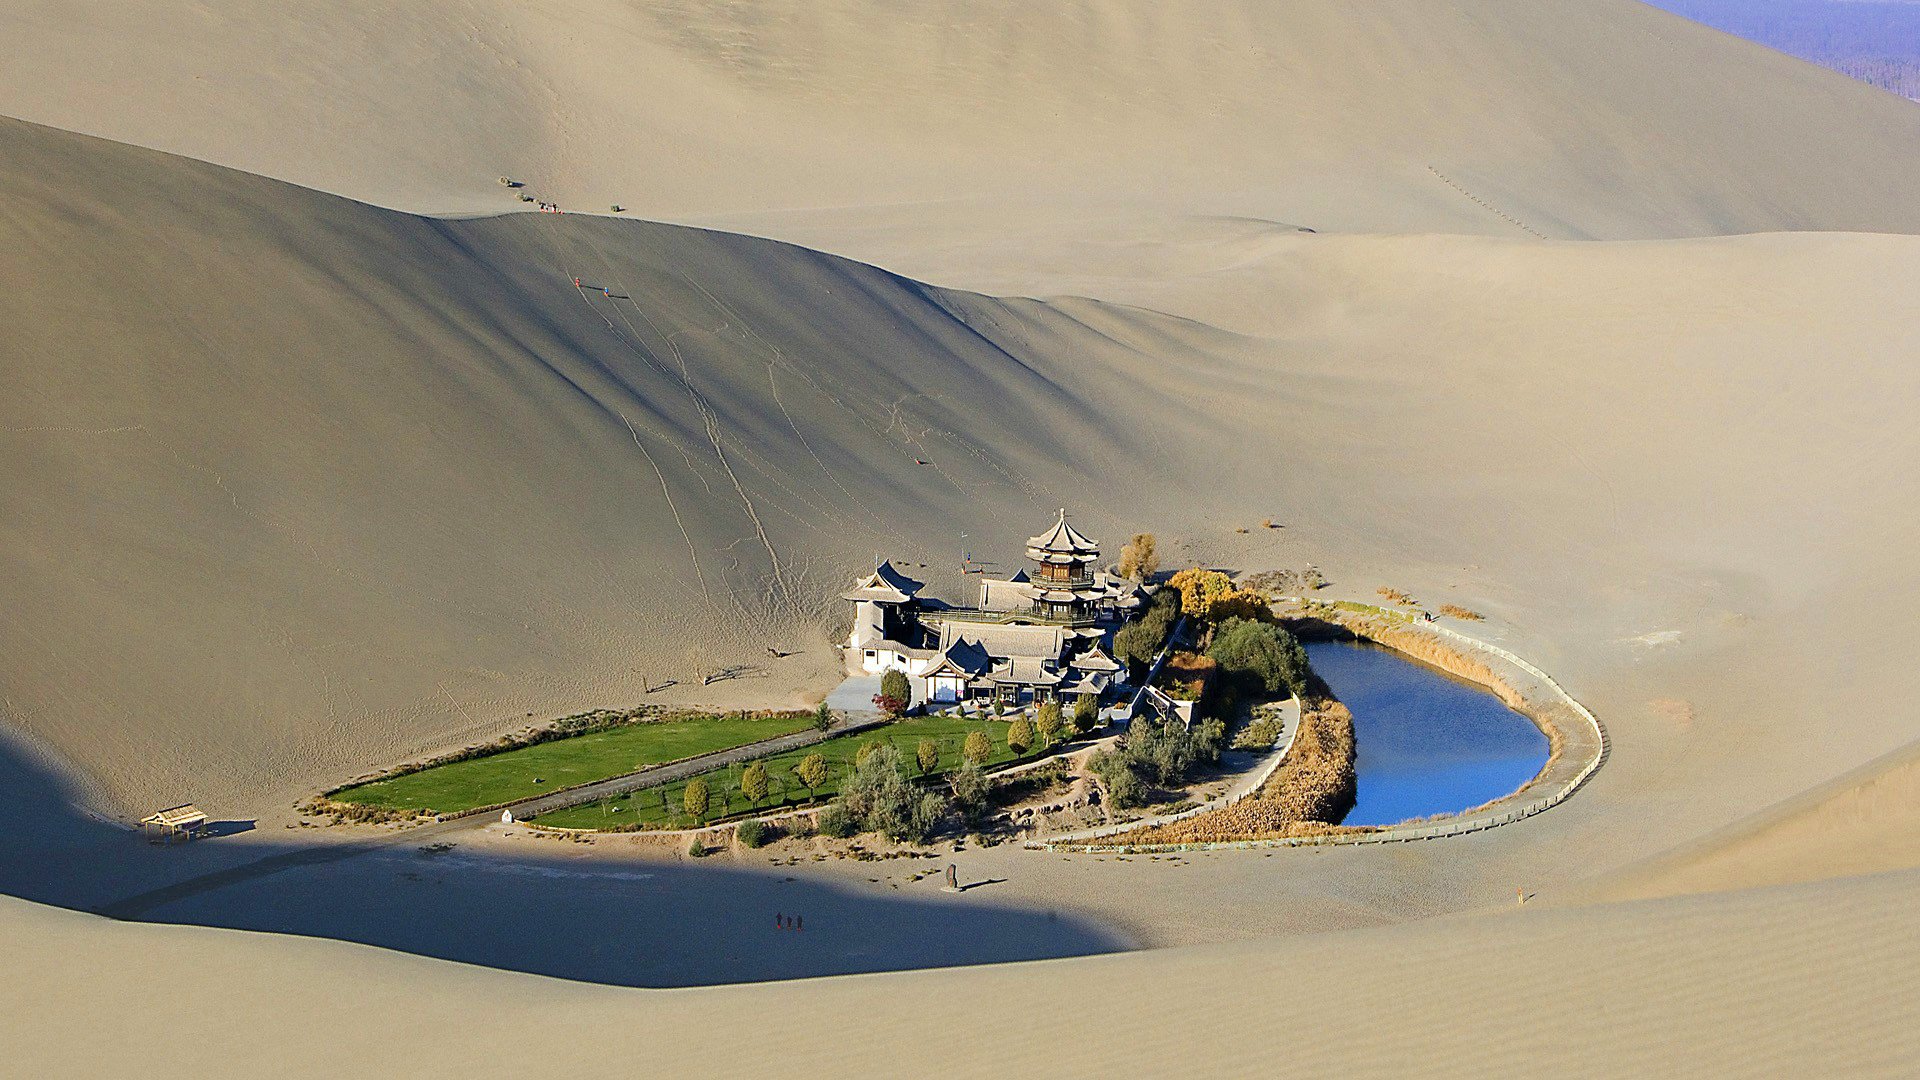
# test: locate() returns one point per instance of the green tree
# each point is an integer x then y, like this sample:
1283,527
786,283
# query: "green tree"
811,772
882,799
822,717
696,798
1086,713
753,782
977,748
1123,788
1260,654
896,693
1046,724
1019,736
927,756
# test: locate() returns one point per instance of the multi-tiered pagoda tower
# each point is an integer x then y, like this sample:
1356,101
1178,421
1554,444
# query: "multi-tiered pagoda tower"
1064,581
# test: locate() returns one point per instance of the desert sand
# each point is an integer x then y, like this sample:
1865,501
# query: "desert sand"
317,459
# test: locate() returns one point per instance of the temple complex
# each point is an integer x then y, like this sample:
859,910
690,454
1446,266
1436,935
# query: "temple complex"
1041,635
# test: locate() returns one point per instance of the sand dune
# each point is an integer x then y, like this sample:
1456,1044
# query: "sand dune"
293,486
876,129
1793,981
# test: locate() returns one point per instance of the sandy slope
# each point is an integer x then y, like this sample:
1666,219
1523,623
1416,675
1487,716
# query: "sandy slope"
1779,982
292,486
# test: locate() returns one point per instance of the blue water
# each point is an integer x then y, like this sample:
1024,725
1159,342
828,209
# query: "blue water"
1425,743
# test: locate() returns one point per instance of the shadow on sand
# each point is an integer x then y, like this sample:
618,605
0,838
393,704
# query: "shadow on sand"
558,913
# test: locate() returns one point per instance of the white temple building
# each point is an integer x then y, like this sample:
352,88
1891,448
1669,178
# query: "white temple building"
1036,636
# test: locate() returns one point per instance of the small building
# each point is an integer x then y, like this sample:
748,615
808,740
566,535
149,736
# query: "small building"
1040,635
177,821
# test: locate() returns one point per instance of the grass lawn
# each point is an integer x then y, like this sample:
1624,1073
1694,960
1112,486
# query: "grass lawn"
662,807
498,778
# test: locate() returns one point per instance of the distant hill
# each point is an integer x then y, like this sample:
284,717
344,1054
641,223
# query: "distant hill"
1875,41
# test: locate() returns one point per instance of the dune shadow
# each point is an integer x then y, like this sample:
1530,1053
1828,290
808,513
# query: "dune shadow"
564,913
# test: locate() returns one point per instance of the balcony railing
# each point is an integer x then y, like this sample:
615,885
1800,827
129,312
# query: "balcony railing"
1021,615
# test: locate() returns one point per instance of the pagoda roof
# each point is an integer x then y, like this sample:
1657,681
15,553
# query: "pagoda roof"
886,585
1096,659
1062,539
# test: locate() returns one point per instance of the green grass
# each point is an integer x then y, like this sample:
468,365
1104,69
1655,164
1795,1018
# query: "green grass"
648,810
498,778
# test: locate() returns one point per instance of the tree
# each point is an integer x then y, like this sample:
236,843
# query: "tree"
1136,644
971,790
1019,736
1199,589
1240,604
697,798
896,693
977,749
822,717
1123,788
1138,559
1086,714
927,756
753,782
1261,654
1046,724
881,798
812,772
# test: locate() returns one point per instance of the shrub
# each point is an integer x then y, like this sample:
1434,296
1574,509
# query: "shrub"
1393,596
1260,654
896,693
927,756
1459,612
1168,752
977,748
697,798
753,833
753,782
837,821
697,849
1123,788
811,772
1020,736
1311,579
971,790
822,717
865,751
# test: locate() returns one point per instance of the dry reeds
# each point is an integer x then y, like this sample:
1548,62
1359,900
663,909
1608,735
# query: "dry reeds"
1459,612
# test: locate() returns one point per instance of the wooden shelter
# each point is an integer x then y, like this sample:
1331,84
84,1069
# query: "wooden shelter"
176,821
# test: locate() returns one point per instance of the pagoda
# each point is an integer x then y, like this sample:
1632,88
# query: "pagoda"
1064,584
